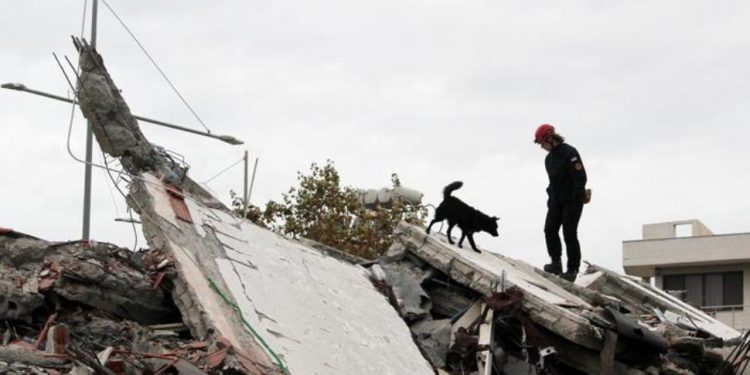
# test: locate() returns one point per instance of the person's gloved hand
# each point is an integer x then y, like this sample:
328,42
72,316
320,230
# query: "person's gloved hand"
587,196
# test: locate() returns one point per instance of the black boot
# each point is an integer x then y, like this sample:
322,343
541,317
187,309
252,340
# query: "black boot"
555,267
570,274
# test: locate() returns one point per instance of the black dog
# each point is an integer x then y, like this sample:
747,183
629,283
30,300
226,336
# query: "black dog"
466,217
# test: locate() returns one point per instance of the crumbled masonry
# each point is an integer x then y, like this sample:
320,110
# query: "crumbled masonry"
80,299
216,294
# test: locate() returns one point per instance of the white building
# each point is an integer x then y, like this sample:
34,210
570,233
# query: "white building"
707,270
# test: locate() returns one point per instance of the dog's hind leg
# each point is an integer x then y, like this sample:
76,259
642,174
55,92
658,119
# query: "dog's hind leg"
448,233
438,217
461,241
471,242
435,220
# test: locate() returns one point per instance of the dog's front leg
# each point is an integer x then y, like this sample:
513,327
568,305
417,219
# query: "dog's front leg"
461,241
471,242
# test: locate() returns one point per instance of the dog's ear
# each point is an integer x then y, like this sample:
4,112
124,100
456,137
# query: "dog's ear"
495,218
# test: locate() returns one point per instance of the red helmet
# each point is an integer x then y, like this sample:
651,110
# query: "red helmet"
542,132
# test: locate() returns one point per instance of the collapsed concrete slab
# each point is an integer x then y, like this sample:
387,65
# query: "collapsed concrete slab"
312,312
487,273
284,307
509,309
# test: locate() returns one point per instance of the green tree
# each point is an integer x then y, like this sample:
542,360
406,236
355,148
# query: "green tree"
324,211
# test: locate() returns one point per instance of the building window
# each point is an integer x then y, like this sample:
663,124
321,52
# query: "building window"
717,291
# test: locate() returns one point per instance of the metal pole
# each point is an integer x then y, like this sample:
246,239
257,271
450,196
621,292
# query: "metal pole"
244,189
225,138
89,145
252,180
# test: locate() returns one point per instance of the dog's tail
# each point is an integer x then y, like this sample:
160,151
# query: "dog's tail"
450,188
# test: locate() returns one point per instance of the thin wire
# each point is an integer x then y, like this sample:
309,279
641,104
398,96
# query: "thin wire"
157,66
130,213
109,186
83,21
224,170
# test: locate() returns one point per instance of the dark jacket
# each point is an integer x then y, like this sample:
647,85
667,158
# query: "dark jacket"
567,175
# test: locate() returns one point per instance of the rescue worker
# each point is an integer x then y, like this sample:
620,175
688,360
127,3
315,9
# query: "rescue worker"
566,196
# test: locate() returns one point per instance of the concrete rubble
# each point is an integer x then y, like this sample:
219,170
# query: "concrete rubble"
217,294
66,303
508,317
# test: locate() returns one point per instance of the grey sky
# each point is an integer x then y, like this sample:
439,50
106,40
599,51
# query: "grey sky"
653,94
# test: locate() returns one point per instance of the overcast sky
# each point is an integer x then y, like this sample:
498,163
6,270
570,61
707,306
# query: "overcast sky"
654,94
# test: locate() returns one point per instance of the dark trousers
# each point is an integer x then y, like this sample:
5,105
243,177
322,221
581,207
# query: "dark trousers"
567,215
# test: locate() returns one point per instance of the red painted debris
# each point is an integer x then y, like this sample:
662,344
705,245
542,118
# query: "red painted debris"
117,366
223,342
55,267
23,344
158,278
43,334
215,359
177,199
61,338
198,345
46,283
250,366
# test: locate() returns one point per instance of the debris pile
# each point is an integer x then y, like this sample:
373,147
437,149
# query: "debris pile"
475,313
221,295
88,307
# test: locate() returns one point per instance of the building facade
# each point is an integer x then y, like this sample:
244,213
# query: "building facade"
688,260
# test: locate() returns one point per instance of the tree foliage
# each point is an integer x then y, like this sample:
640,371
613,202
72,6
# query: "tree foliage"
324,211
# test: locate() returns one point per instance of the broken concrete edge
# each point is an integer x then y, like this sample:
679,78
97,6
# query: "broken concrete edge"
117,131
114,127
645,297
209,319
333,252
558,319
590,296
